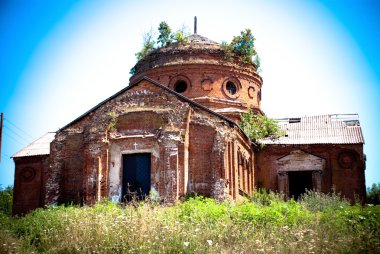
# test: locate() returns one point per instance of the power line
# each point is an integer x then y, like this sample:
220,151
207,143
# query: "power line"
17,141
30,136
15,133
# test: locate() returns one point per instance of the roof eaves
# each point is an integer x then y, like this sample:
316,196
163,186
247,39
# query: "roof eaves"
37,145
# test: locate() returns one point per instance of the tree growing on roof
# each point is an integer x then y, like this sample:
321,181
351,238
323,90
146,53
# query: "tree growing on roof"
257,62
165,37
148,45
244,45
181,35
259,126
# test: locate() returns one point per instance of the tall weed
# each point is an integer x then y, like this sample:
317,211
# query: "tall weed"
198,225
321,202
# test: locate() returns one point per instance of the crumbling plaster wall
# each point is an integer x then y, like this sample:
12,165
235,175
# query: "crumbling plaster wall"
147,119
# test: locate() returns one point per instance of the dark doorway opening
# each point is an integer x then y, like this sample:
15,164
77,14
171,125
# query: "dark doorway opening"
136,176
299,181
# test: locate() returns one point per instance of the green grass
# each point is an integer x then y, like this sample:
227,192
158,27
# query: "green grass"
264,224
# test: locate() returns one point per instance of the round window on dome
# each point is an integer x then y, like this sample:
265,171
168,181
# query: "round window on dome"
231,88
180,86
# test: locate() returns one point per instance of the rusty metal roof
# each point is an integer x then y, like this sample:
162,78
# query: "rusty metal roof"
322,129
40,146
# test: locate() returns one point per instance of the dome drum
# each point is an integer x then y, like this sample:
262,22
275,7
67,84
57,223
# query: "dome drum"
200,70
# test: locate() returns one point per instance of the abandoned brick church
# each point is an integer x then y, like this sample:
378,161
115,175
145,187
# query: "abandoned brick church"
174,131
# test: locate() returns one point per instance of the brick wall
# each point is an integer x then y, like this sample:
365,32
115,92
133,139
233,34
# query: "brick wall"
187,147
200,150
206,70
343,167
29,183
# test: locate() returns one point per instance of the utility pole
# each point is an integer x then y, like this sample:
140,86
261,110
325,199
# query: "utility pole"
1,131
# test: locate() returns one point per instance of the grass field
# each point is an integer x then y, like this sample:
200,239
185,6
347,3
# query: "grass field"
262,224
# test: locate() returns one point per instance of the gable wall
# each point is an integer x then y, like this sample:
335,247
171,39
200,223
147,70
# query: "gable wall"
183,140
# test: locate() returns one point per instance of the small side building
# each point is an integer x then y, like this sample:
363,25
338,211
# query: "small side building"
31,167
317,153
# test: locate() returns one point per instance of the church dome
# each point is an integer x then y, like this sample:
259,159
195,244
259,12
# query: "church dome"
201,70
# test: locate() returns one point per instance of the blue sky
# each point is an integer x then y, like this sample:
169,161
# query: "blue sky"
60,58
